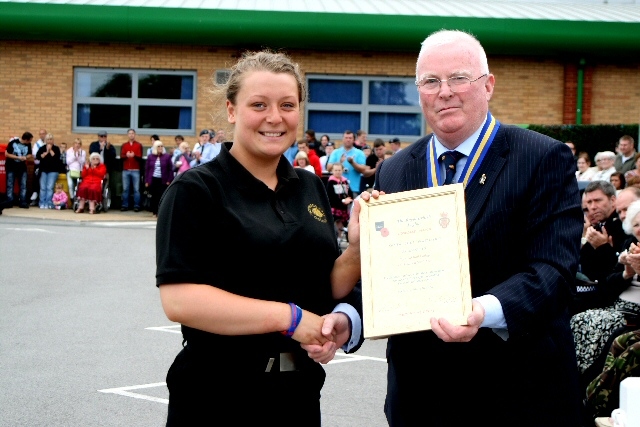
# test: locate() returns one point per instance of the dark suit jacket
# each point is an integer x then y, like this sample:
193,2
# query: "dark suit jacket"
109,155
597,263
524,226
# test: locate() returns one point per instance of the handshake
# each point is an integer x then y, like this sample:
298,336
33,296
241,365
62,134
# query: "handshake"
321,336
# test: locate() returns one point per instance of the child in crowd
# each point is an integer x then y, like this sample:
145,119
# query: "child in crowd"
302,161
59,198
182,158
340,197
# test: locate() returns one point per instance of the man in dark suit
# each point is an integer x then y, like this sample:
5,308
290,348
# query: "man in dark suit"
514,363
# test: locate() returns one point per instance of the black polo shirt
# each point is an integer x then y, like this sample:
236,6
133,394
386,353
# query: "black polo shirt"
218,225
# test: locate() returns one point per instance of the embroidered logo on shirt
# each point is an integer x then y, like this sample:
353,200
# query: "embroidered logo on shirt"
317,213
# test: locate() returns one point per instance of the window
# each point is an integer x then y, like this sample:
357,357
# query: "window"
149,101
385,107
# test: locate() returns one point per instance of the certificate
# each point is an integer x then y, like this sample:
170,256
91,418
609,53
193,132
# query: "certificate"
415,262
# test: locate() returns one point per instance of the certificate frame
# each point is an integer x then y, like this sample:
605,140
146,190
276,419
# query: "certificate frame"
414,260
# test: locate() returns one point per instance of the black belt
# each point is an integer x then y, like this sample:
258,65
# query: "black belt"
286,362
272,362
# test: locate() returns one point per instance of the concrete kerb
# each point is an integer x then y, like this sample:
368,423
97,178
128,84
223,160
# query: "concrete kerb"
35,212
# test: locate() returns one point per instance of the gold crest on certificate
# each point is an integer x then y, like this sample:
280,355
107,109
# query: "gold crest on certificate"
415,261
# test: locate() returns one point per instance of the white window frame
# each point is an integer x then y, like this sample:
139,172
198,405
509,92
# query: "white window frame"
134,101
365,108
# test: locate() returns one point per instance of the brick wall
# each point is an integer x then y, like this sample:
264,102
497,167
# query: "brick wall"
616,93
36,83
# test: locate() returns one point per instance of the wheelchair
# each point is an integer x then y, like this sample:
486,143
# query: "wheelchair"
102,206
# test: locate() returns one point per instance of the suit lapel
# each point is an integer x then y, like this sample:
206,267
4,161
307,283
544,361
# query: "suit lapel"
415,173
480,186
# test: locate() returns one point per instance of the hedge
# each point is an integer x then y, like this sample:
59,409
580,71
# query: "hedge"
589,138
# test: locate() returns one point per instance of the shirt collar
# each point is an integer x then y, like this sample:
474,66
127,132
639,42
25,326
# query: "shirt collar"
465,148
285,172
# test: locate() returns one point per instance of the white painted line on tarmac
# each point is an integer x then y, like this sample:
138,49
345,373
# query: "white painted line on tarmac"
174,329
124,391
39,230
355,358
146,224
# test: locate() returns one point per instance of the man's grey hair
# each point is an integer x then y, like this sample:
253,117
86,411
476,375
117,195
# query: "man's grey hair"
605,186
444,37
632,189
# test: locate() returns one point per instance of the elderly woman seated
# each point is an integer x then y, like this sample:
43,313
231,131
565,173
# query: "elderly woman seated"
90,188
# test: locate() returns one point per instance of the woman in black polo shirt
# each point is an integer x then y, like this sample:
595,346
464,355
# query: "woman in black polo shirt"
234,284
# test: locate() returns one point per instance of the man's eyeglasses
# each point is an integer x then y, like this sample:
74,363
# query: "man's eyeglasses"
457,84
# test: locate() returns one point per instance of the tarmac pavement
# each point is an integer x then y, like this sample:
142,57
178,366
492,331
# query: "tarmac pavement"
84,340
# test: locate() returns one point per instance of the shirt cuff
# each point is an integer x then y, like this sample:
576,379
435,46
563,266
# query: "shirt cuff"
356,324
493,314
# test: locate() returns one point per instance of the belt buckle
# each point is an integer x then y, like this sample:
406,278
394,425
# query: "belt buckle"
286,363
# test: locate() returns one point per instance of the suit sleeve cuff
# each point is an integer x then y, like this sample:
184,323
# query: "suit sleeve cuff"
493,314
354,319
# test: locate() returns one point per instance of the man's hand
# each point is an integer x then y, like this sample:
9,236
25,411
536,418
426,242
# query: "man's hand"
596,238
309,331
450,333
336,330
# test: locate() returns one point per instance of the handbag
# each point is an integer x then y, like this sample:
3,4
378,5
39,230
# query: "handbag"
146,201
75,174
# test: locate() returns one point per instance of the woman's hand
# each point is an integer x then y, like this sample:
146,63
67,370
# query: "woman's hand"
336,329
309,331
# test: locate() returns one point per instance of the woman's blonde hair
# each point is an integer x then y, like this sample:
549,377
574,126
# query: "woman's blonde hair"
262,61
154,148
302,156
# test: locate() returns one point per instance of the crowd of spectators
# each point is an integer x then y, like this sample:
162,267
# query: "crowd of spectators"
606,305
145,179
74,165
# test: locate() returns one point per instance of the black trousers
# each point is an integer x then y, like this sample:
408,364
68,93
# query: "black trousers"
227,392
156,188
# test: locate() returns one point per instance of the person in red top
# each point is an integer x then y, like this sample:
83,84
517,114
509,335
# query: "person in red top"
314,160
131,155
90,188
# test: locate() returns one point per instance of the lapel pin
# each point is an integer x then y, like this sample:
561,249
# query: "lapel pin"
483,178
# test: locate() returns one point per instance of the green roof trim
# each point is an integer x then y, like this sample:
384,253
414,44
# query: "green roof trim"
292,30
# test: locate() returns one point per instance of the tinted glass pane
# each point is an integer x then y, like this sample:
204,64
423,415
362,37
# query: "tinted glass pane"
333,122
162,86
164,117
104,85
392,93
335,91
395,123
104,116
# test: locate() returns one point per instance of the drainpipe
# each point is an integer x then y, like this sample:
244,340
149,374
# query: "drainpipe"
580,91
